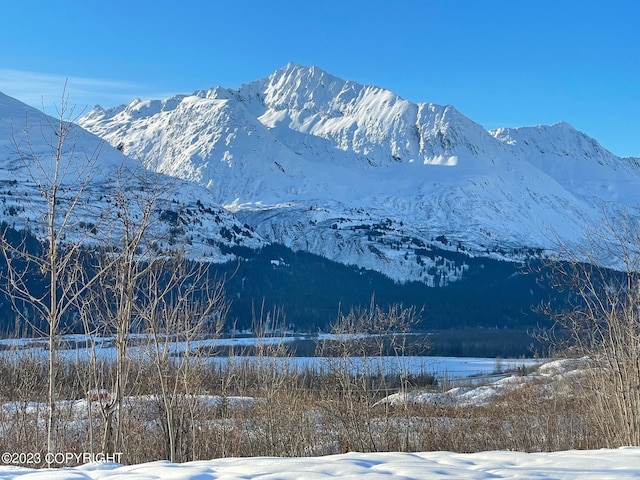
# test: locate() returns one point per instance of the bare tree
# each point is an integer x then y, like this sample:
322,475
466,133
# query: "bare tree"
41,280
180,305
148,287
125,259
121,288
602,324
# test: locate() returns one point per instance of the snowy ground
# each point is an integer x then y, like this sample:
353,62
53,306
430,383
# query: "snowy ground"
597,464
482,389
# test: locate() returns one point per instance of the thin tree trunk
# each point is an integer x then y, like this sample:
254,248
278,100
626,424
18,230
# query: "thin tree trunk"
51,423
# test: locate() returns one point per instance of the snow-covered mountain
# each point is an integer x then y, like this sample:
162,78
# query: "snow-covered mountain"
92,174
359,175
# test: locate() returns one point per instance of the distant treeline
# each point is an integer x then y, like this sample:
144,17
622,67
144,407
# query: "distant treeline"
308,291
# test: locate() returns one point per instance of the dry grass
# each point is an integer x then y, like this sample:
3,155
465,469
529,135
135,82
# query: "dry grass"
286,413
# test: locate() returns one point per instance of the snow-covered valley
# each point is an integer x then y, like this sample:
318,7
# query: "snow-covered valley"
319,240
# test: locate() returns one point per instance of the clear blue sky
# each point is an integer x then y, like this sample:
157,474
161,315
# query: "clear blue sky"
501,63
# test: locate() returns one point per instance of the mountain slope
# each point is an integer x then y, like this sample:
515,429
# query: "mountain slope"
361,176
92,175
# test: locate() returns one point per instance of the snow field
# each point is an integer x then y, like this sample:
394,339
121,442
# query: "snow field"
616,464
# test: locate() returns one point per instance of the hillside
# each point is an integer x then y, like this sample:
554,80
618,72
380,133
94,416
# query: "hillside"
92,175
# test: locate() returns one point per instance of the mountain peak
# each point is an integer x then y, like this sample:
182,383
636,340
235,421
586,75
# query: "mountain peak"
302,88
90,174
297,70
291,67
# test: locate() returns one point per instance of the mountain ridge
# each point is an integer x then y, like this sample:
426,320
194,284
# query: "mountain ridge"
316,162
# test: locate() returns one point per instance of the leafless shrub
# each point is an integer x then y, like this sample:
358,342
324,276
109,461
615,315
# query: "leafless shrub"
602,325
359,374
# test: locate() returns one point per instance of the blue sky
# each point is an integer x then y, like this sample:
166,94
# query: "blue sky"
501,63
